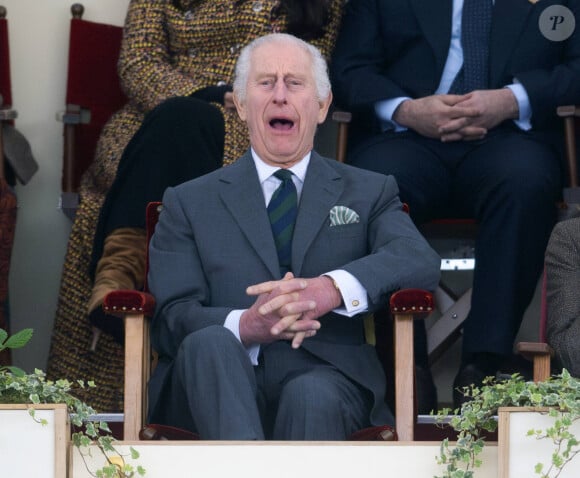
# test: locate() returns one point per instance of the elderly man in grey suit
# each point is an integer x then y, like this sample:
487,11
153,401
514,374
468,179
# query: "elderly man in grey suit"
260,334
562,294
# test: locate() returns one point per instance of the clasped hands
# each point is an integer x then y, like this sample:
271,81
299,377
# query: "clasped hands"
458,117
287,309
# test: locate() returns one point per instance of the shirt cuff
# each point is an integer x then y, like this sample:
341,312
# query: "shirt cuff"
232,323
524,120
385,109
354,295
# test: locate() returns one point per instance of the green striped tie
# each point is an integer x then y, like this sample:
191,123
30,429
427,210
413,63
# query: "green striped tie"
282,211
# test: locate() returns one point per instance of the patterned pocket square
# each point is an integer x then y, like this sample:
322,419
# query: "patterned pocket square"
341,215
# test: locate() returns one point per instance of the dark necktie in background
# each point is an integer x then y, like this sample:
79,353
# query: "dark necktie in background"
475,28
282,211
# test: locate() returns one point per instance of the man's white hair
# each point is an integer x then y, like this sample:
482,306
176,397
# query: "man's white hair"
319,66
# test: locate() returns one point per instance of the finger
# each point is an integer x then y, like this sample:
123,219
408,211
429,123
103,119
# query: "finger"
452,100
296,307
298,339
279,301
293,323
300,336
453,126
472,133
286,285
448,138
283,324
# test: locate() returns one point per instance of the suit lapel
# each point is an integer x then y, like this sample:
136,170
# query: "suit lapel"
509,17
243,197
434,16
322,188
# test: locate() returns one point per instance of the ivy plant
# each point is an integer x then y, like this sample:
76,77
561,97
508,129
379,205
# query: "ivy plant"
560,395
16,386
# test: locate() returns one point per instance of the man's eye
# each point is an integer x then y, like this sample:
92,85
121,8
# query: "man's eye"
295,82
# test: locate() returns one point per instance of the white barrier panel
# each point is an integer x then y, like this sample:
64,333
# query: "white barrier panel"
520,453
287,459
29,449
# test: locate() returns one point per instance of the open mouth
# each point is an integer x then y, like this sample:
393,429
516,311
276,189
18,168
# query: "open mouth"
281,124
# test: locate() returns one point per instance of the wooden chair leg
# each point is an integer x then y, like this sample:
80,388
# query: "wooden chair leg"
540,353
404,377
136,370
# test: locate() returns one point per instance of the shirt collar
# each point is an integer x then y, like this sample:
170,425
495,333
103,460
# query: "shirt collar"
266,170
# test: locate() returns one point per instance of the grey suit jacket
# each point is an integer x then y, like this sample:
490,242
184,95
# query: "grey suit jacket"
214,239
563,293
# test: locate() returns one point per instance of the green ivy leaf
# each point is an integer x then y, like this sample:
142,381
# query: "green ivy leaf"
19,339
3,337
16,371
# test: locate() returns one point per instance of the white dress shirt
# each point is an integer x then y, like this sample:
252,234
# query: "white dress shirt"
354,295
385,109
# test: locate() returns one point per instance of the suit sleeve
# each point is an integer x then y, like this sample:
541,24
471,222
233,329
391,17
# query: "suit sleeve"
177,281
399,256
554,80
563,301
358,63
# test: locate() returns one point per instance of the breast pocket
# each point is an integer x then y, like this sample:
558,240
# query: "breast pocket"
346,231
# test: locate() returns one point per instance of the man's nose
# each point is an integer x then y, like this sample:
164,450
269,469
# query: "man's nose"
280,93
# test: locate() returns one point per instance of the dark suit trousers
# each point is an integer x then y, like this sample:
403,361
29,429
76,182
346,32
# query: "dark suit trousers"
291,395
509,182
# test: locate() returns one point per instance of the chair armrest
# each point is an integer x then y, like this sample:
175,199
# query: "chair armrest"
406,305
416,302
123,302
568,110
342,118
135,307
7,114
541,354
569,113
74,114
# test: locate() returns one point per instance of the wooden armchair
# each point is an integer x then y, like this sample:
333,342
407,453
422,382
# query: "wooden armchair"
136,307
540,352
453,308
93,94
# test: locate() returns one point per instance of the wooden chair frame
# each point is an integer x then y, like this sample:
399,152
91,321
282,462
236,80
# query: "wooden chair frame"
137,307
540,353
454,309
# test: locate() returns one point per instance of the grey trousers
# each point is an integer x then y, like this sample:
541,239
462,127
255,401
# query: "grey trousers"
290,395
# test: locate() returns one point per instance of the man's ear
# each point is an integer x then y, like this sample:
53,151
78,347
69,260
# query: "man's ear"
324,105
240,107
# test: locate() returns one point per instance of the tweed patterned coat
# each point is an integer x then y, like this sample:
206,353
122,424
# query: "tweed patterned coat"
563,294
165,52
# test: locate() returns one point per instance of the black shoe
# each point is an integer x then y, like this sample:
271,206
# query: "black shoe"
473,372
426,391
109,324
